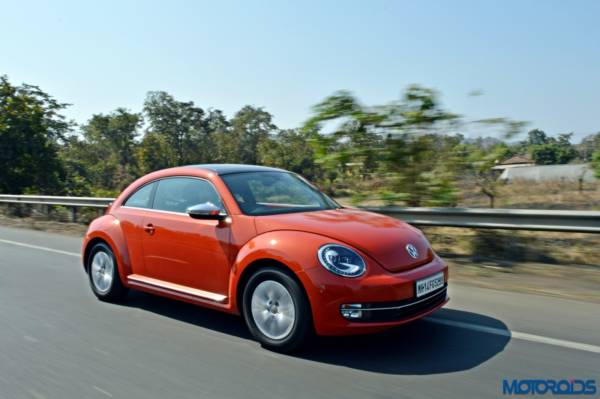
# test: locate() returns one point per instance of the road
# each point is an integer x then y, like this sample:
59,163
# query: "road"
58,341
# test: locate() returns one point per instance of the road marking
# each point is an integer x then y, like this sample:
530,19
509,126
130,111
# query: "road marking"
56,251
453,323
102,391
36,394
30,339
517,335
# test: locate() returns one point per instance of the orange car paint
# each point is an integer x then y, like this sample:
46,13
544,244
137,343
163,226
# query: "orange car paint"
203,261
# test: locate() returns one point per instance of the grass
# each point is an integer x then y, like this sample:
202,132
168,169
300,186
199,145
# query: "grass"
517,195
527,195
505,248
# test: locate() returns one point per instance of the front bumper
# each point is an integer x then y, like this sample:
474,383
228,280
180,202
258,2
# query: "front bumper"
387,299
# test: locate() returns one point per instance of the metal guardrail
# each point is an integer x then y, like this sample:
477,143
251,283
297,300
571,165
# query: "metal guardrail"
92,202
505,219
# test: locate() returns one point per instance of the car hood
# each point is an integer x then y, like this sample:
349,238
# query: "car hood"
381,237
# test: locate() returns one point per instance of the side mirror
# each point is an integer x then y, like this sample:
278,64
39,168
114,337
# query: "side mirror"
207,210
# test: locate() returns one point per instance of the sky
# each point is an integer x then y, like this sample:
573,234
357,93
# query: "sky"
536,61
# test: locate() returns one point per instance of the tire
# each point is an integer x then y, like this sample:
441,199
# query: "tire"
271,296
103,274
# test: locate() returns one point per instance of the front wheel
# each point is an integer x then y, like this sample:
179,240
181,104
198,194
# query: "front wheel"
104,274
276,310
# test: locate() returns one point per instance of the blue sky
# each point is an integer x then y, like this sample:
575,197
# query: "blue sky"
537,61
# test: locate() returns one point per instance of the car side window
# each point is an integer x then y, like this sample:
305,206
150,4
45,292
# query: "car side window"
177,194
141,198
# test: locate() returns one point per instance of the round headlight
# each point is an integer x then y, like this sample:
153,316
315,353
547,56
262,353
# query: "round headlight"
341,260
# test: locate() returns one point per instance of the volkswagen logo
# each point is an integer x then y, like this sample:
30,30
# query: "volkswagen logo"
412,251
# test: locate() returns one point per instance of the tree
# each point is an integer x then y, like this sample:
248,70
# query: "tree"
154,153
351,150
182,126
596,163
588,146
31,127
537,137
108,149
394,143
224,147
290,150
249,127
116,132
479,163
415,169
554,151
74,155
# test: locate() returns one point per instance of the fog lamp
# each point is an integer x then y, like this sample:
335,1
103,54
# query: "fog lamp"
351,310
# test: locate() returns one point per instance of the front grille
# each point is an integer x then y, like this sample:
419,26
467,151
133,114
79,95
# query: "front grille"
400,310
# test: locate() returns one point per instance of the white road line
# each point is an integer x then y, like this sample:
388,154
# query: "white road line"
102,391
56,251
453,323
517,335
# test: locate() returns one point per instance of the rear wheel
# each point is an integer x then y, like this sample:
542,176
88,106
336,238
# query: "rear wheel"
104,274
276,310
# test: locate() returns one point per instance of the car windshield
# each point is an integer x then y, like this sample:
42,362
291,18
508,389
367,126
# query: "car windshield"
269,193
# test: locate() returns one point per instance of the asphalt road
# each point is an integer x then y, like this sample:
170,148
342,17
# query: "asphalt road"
58,341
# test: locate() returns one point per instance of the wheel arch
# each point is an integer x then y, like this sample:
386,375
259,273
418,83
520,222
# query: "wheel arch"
258,264
88,248
291,251
106,230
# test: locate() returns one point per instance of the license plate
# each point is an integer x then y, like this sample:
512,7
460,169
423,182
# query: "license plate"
429,284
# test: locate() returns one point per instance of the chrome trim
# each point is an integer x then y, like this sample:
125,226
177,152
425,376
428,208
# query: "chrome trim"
227,213
443,291
153,210
161,211
177,289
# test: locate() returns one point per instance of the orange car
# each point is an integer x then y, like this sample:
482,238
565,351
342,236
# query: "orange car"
266,244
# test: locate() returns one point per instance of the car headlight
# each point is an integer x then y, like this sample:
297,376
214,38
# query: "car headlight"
341,260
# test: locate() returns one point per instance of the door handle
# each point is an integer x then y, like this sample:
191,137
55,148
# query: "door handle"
149,228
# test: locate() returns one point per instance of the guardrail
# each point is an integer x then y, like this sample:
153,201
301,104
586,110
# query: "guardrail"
93,202
504,219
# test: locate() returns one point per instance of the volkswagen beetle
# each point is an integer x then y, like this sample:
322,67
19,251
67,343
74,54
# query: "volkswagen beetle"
266,244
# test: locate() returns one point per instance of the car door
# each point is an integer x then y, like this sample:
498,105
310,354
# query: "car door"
131,217
179,249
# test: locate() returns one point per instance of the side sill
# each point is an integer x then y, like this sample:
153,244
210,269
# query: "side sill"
136,280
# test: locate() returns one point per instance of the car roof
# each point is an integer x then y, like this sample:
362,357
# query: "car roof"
227,168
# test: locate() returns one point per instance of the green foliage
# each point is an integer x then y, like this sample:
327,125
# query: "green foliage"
400,152
290,150
549,150
109,149
350,151
596,163
588,146
154,153
478,163
537,137
182,127
73,155
249,128
31,127
396,141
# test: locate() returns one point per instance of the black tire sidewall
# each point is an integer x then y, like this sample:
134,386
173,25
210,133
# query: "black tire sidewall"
116,290
303,321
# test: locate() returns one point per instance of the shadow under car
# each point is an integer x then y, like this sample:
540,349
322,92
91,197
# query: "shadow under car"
418,348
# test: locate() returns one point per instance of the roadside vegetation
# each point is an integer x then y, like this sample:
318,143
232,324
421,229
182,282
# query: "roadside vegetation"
410,151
